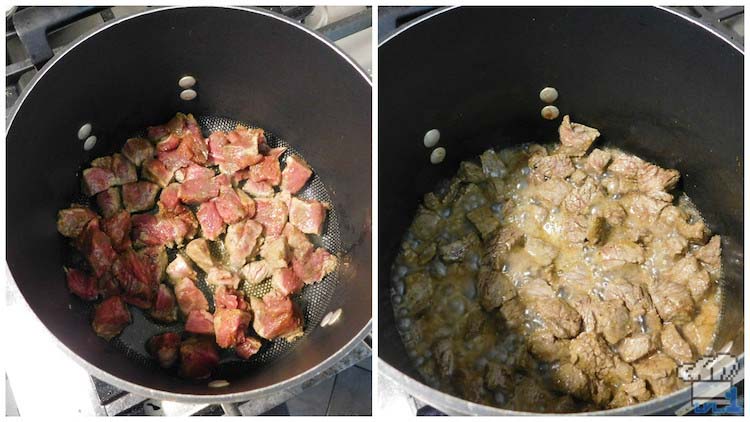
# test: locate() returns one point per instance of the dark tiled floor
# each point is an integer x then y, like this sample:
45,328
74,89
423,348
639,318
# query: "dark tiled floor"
348,393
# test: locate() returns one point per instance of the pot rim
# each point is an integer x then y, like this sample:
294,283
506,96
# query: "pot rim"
167,395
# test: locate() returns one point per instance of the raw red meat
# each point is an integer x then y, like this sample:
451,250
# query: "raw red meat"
241,242
139,196
81,284
96,180
195,191
295,175
117,227
138,150
286,282
165,305
272,213
314,265
307,215
210,220
110,317
200,322
189,297
109,201
96,246
229,298
155,171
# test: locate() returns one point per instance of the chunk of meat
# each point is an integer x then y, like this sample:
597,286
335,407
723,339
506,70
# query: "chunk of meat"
135,278
226,297
155,171
154,230
200,322
139,196
247,202
180,268
216,141
598,160
597,230
72,221
655,181
247,347
189,297
229,206
674,345
285,281
198,358
108,286
241,242
164,348
169,143
575,137
499,245
660,372
512,312
581,197
117,227
111,316
96,246
688,272
295,175
96,179
700,332
612,320
631,393
123,170
165,305
221,277
272,213
569,379
635,347
176,158
710,254
307,215
552,192
298,243
169,198
138,150
673,301
615,254
230,326
267,170
195,191
560,318
81,284
211,222
484,220
592,355
197,250
315,265
259,189
542,252
193,172
109,201
197,146
544,346
499,377
494,288
239,155
256,272
276,316
274,252
556,165
155,259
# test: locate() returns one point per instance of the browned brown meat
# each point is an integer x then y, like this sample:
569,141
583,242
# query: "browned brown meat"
569,379
137,150
444,357
109,201
72,221
544,346
198,358
660,372
494,288
248,347
688,272
543,252
81,284
499,377
592,355
165,348
111,316
673,344
198,251
165,305
619,253
612,320
634,347
581,197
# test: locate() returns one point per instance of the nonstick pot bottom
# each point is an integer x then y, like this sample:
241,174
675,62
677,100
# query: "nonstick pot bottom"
313,300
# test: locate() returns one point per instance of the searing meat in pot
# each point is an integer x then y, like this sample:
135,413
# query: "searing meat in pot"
562,279
189,297
72,221
165,305
198,358
165,348
111,316
81,284
199,322
276,316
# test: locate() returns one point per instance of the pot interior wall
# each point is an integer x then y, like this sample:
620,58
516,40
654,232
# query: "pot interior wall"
249,67
653,83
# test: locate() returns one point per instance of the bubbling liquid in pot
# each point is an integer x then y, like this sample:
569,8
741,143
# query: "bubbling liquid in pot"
558,278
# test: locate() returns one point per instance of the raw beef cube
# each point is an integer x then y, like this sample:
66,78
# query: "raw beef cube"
210,220
96,180
241,151
216,143
247,347
191,126
170,143
241,242
274,252
176,158
155,171
255,272
135,279
226,297
117,227
180,268
195,191
220,277
72,221
123,170
286,282
81,284
198,358
169,198
197,146
110,317
139,196
109,201
138,150
298,242
259,189
272,213
229,206
267,170
148,229
189,297
276,316
200,322
193,171
155,258
307,215
108,285
165,305
164,347
97,248
197,250
230,326
296,173
314,266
